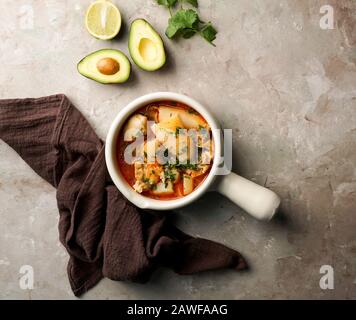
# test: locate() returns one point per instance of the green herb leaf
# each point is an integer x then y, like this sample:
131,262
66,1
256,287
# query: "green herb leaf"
186,23
188,33
181,20
169,174
209,33
194,3
185,166
165,153
167,3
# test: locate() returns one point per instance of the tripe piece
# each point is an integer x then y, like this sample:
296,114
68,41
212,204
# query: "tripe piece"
135,126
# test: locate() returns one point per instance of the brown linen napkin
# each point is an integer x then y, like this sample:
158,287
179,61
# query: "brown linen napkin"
104,234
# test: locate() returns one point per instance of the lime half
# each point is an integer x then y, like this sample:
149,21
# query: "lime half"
103,20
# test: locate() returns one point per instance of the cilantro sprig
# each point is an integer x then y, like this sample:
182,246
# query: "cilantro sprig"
186,23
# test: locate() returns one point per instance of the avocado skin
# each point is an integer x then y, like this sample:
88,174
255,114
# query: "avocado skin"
132,53
103,51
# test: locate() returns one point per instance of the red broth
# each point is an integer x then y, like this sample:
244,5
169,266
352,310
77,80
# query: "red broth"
128,171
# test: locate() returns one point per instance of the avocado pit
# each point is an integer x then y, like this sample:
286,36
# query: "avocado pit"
108,66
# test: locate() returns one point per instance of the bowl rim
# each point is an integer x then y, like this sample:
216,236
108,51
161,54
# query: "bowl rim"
111,145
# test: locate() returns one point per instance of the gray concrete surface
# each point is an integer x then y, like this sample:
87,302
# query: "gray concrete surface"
286,87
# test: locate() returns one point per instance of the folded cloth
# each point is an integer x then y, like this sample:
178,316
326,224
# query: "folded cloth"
104,234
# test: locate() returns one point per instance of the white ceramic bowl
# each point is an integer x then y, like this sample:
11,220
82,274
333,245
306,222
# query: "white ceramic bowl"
260,202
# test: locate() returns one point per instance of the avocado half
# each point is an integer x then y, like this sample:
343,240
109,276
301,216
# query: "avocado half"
105,66
146,46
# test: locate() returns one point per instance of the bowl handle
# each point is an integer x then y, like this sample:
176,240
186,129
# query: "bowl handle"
258,201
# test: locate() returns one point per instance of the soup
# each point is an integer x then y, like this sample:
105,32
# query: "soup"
165,150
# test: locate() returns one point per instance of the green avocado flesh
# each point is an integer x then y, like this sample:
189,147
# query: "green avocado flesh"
146,46
105,66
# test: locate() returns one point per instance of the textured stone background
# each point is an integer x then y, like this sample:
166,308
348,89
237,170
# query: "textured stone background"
286,87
